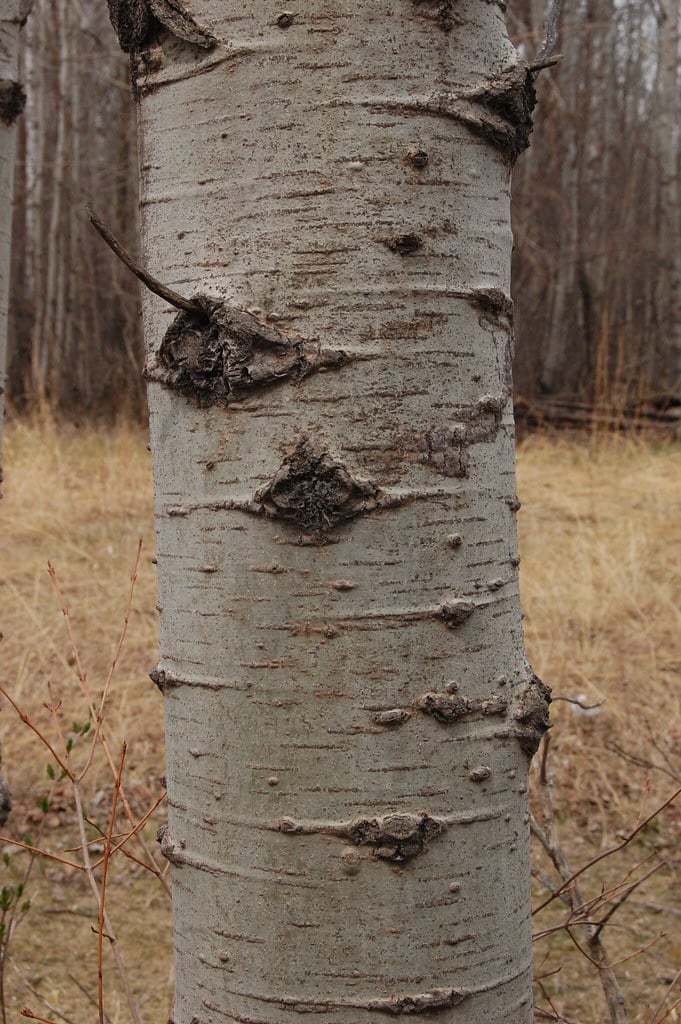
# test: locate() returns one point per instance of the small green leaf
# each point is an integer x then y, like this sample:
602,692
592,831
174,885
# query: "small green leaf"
50,771
44,804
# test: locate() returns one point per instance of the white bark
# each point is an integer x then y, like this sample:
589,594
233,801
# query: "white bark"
346,693
11,102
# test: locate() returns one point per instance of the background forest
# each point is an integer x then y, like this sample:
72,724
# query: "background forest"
597,217
597,292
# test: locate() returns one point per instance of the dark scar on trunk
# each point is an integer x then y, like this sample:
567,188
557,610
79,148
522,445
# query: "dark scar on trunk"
12,101
314,491
396,838
448,708
441,12
217,354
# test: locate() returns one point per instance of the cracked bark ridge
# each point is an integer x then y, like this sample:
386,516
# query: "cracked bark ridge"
448,708
423,1002
507,102
315,492
12,101
532,714
227,354
138,24
396,838
446,448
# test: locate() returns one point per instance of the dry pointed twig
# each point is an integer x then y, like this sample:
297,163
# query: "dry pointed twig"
608,978
578,702
97,716
610,851
553,11
41,997
102,888
167,294
26,720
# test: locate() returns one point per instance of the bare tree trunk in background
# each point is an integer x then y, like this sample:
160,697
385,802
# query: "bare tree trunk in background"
12,99
597,208
75,331
349,710
669,217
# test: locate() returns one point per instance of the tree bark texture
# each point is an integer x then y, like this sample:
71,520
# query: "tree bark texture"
349,711
12,99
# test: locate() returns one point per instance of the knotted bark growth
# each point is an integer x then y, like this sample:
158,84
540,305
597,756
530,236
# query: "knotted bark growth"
221,354
138,23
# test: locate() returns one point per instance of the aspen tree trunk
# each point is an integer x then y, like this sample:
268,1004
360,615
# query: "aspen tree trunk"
349,711
12,99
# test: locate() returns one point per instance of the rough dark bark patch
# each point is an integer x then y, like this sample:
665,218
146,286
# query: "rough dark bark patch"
139,23
439,11
12,101
446,448
394,837
227,354
532,714
447,708
492,302
404,245
507,102
314,491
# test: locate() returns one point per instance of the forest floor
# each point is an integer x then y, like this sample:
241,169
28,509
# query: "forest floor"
600,539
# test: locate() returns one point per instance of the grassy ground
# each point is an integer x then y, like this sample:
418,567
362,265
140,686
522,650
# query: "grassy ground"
601,579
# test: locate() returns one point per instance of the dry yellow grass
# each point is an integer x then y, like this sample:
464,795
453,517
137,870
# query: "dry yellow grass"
601,579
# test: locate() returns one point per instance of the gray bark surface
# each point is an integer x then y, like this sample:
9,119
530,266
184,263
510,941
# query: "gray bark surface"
349,711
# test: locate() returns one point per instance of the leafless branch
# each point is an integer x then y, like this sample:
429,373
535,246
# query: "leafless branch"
551,22
167,294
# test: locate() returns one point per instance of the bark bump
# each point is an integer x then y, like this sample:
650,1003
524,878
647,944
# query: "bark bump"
396,838
424,1002
532,714
455,613
227,354
447,708
12,101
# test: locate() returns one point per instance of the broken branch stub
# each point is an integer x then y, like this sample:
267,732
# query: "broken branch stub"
138,23
507,102
221,354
